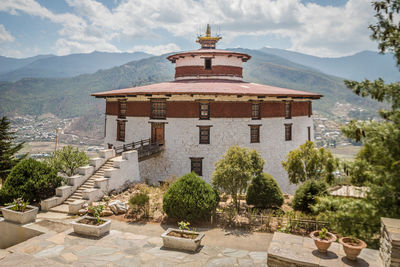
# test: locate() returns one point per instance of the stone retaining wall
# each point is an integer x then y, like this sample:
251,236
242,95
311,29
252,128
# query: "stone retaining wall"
390,242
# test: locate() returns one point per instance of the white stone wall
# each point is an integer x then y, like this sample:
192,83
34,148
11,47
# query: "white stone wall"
222,60
182,142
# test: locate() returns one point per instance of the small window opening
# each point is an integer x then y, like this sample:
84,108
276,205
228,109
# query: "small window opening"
207,63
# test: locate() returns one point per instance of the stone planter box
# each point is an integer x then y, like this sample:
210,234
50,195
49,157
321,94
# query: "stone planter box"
181,243
20,217
91,230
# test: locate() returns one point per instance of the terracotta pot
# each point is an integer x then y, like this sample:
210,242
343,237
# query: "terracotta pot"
322,244
352,251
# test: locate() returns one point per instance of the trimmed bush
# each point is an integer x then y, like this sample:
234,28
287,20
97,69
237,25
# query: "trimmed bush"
31,180
190,198
306,195
264,192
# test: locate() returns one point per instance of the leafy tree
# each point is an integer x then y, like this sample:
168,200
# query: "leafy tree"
190,198
31,180
377,165
307,193
8,149
349,217
308,162
234,171
68,159
264,192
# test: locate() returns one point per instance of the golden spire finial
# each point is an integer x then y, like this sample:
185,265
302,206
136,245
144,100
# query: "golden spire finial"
208,41
208,31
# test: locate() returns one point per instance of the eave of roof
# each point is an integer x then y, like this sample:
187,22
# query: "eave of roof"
208,87
208,51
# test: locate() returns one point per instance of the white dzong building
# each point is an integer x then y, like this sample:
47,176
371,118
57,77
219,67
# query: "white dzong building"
204,111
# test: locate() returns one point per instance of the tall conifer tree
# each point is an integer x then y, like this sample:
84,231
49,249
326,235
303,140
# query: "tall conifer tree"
7,149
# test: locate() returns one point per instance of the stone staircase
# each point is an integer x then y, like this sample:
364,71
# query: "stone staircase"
78,194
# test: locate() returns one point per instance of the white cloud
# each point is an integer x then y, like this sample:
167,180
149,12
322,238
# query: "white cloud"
156,50
5,36
311,28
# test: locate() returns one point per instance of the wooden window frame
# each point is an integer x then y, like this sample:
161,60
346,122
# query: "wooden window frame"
256,111
121,137
309,133
122,108
255,133
207,110
288,109
208,66
309,108
204,131
288,132
158,108
196,169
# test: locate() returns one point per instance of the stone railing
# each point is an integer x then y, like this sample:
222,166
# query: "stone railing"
84,172
389,250
124,172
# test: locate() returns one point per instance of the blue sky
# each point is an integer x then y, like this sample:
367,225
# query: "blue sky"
327,28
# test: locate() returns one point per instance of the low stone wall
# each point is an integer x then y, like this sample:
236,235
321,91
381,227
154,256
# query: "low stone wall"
297,251
84,172
389,250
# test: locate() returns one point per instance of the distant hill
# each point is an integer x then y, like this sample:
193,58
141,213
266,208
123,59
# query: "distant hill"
70,97
66,66
9,64
366,64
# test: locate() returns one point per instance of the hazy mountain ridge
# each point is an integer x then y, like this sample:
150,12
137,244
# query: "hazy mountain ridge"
65,66
70,97
365,64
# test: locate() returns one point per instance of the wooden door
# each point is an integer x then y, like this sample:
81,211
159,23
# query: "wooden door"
157,133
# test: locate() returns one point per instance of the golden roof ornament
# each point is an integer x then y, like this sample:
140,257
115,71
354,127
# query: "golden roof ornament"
208,41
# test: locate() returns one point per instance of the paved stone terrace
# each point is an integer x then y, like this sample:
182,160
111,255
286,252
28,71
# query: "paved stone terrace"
119,249
292,250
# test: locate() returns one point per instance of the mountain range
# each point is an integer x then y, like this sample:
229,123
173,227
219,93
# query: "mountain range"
363,65
51,66
70,97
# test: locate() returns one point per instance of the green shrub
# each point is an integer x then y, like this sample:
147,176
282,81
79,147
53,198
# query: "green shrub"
139,201
306,195
264,192
190,198
31,180
350,217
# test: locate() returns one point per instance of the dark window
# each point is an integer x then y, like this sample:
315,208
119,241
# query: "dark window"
255,111
309,133
204,134
204,111
121,130
288,110
158,109
309,109
288,132
122,108
196,165
207,63
254,133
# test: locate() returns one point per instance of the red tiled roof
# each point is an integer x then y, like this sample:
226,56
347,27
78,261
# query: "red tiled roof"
207,87
209,51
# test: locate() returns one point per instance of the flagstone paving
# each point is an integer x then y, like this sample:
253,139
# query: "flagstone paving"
119,249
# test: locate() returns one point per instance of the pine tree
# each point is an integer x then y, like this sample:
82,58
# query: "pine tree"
377,165
8,149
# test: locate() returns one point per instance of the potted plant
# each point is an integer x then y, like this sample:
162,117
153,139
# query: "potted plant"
92,226
323,239
19,211
352,246
183,238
